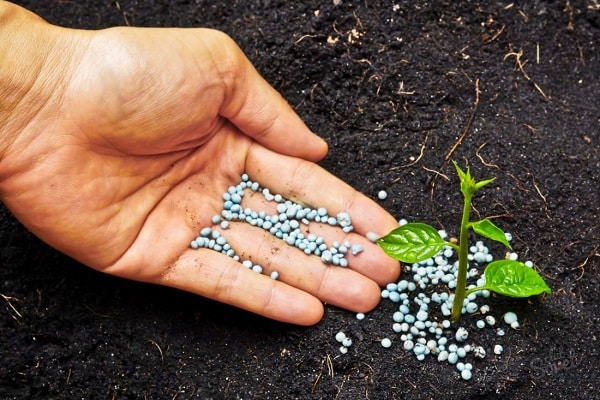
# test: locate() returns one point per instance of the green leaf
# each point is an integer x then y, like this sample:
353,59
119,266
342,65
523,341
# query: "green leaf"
514,279
483,183
412,243
461,174
466,181
468,185
486,228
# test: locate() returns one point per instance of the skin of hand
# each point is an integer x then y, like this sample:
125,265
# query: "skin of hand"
117,144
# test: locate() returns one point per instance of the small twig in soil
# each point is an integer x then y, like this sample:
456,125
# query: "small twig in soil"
481,158
361,61
159,349
518,183
496,216
375,77
422,151
304,37
433,191
316,382
360,25
437,173
339,388
410,383
90,309
537,189
495,36
535,186
581,57
329,366
312,92
401,89
39,303
525,16
507,363
594,253
569,11
123,12
8,299
327,360
469,121
520,66
368,379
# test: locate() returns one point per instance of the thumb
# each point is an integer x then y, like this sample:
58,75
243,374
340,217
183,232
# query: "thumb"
259,111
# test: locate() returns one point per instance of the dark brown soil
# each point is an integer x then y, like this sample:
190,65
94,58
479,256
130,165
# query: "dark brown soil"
393,91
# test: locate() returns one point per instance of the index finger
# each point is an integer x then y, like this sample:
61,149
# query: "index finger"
308,183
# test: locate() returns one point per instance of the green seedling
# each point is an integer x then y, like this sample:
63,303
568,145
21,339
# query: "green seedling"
416,242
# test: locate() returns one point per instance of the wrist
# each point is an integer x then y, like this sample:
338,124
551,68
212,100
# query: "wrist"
30,73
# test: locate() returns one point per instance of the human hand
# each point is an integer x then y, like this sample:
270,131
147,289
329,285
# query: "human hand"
128,145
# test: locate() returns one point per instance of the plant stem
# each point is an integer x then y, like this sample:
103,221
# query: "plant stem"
461,281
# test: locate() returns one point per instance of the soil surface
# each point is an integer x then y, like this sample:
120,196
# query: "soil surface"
397,89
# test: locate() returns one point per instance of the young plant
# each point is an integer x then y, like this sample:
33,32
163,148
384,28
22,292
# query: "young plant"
416,242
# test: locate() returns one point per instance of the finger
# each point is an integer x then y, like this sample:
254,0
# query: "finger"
260,111
366,262
220,278
342,287
308,183
311,184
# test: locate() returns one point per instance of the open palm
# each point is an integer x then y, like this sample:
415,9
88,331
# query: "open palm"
128,158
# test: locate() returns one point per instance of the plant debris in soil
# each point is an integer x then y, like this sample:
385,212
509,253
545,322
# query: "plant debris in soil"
399,90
